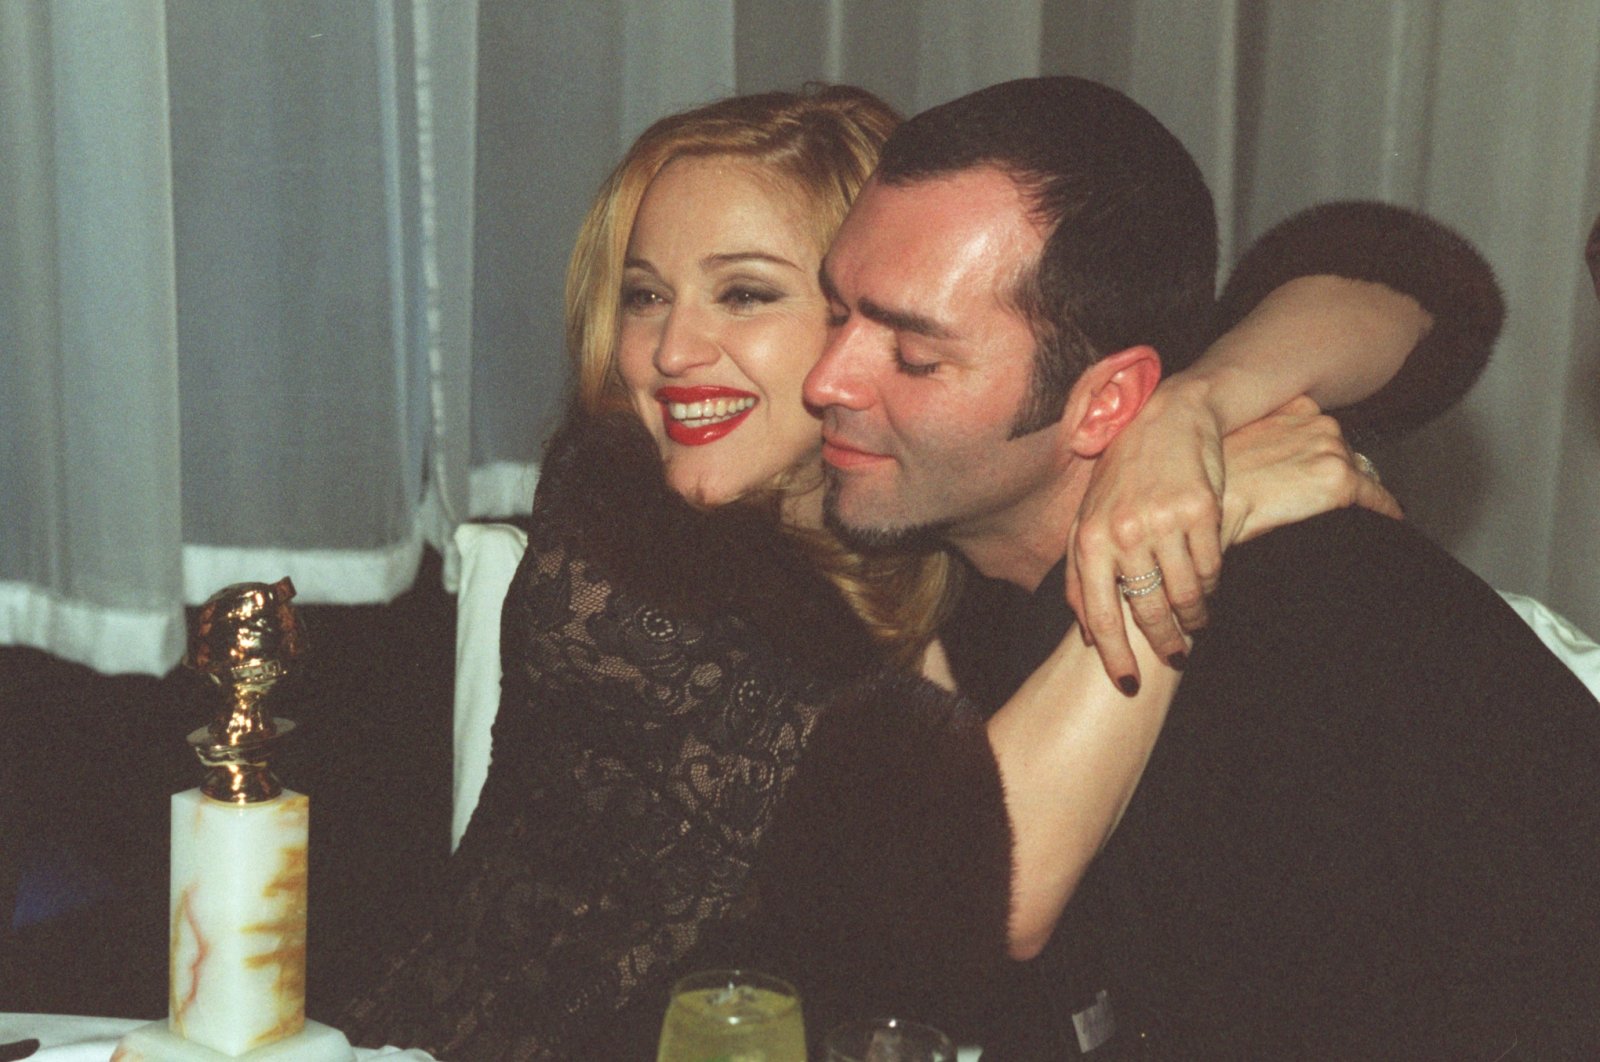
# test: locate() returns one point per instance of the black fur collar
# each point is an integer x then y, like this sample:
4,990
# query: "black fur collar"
601,488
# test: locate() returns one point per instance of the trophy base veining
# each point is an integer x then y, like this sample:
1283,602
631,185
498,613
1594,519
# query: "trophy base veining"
156,1042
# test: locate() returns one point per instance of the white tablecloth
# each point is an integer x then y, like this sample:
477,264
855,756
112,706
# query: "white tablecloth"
66,1038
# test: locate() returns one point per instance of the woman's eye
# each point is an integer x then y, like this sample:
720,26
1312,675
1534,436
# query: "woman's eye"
743,297
636,299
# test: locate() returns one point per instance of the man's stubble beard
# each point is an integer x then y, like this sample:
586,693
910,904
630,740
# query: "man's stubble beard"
910,538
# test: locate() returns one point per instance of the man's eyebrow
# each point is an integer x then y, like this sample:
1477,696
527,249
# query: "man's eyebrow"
899,320
904,321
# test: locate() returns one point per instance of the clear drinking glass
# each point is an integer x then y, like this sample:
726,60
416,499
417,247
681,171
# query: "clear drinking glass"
889,1040
732,1016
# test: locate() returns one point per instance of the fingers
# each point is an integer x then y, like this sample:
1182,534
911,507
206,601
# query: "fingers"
1366,487
1075,586
1205,552
1300,406
1153,612
1165,587
1162,608
1101,614
1370,494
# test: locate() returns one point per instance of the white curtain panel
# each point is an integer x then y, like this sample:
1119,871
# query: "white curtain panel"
280,283
89,472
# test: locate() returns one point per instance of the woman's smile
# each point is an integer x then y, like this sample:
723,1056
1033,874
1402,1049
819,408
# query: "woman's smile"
694,416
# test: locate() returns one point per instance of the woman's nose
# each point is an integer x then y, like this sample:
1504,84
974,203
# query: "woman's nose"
685,344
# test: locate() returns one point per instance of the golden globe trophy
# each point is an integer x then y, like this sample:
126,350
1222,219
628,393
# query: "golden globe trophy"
236,979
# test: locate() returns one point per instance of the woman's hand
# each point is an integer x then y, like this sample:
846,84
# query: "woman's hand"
1154,501
1290,466
1170,494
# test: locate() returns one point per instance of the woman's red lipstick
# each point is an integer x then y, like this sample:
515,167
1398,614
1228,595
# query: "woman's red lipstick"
684,434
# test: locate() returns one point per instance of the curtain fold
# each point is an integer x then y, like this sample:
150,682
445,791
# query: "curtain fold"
295,377
446,110
280,284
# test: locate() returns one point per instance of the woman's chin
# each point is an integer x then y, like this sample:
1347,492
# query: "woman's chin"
702,492
711,489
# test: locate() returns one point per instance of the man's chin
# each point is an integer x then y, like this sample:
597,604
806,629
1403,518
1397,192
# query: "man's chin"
878,537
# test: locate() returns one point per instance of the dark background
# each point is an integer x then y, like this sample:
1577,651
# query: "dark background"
89,763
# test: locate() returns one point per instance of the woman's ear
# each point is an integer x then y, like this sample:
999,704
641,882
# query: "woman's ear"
1108,396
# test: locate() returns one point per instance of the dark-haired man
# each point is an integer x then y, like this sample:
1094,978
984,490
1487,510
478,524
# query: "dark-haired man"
1369,827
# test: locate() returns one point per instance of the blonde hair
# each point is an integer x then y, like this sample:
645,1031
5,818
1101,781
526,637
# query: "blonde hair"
822,142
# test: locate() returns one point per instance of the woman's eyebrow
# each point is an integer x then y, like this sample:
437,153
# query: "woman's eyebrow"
724,258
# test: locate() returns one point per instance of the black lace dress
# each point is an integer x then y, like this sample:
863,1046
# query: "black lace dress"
663,669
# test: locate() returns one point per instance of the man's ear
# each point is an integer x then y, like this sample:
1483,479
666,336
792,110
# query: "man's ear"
1108,396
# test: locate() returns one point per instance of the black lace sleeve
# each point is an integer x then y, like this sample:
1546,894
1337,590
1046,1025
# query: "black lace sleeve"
638,757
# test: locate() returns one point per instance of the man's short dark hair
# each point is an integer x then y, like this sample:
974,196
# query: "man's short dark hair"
1132,253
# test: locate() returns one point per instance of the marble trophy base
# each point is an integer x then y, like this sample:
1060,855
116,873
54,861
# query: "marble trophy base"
237,967
157,1042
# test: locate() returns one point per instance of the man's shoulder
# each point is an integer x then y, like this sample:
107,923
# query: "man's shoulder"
1341,533
1347,560
1353,603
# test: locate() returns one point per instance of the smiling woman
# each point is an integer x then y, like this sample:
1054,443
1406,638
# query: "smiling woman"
664,661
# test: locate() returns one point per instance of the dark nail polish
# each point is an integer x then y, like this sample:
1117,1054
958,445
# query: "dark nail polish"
1177,660
1128,684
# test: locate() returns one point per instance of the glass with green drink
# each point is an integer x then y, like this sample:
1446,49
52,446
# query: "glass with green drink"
732,1016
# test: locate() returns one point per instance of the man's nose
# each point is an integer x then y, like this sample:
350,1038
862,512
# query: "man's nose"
838,378
685,343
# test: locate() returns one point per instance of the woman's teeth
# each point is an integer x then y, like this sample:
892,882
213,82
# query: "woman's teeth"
710,411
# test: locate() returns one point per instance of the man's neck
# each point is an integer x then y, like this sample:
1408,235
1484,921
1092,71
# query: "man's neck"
1023,543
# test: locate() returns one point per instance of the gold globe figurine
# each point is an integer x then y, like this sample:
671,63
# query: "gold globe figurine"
245,640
